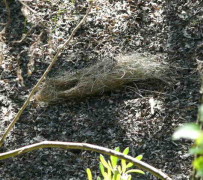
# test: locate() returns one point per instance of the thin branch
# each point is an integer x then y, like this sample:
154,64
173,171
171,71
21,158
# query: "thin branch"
89,147
28,7
54,59
26,35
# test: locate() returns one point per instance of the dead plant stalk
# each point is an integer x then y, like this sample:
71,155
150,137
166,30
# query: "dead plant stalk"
54,59
88,147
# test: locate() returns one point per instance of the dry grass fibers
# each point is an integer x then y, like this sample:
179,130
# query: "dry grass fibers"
104,76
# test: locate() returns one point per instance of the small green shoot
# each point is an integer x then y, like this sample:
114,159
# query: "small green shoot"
115,169
89,174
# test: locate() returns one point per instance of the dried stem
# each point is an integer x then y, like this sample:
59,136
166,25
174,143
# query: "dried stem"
85,146
54,59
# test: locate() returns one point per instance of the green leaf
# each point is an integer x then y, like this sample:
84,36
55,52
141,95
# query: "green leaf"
119,169
198,164
117,149
114,159
135,171
123,162
109,174
98,178
196,150
199,140
200,113
188,131
106,176
116,175
110,166
102,170
139,157
123,165
129,165
129,177
103,161
89,174
126,151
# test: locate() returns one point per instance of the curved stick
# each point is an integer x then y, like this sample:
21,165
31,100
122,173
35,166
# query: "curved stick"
88,147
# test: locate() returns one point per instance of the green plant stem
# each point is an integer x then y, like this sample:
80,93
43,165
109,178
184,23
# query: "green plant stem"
89,147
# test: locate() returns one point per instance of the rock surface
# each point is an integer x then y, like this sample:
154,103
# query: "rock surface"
142,116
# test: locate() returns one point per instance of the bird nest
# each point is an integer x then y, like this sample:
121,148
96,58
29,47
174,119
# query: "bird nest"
104,76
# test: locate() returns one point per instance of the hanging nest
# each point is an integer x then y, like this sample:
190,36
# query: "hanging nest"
104,76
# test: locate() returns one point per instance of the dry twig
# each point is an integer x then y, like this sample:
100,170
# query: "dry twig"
54,59
89,147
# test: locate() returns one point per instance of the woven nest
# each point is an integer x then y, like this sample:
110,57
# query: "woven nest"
104,76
